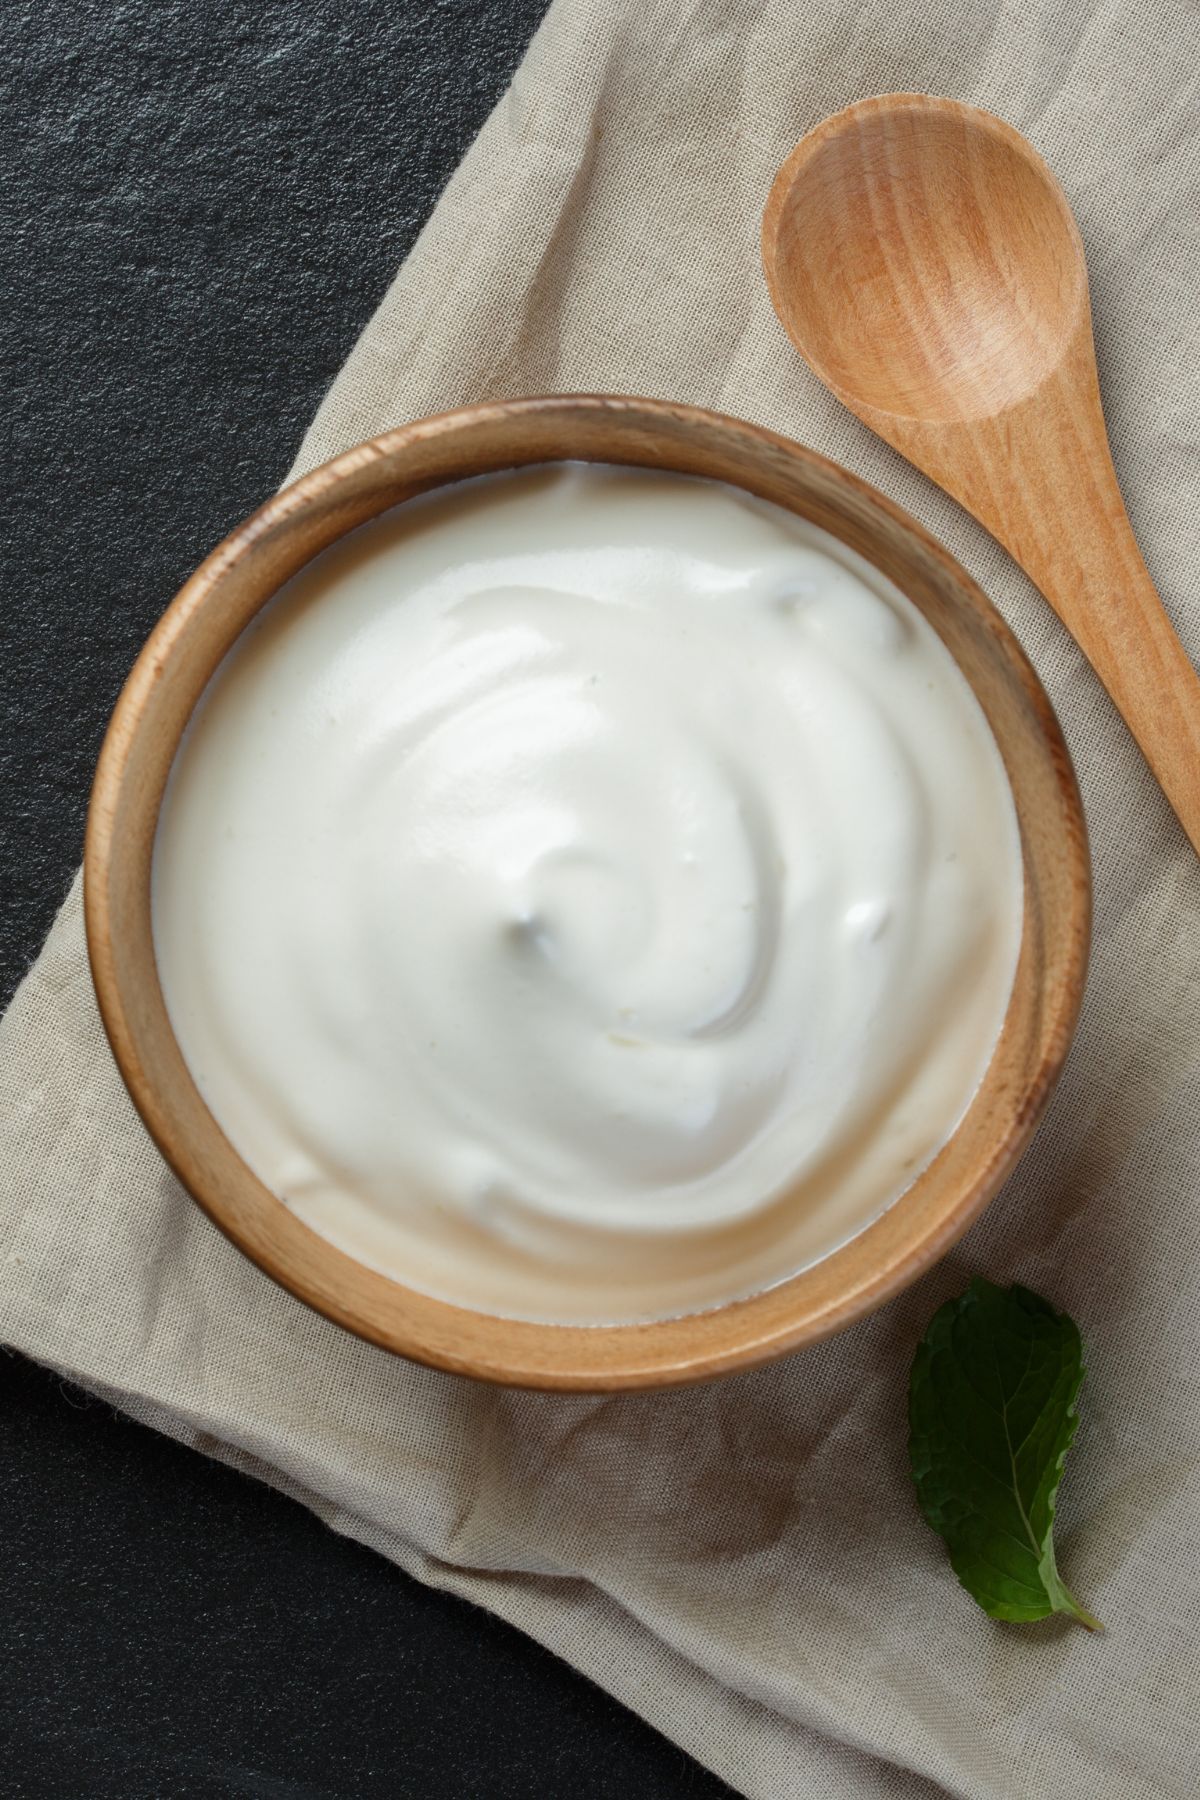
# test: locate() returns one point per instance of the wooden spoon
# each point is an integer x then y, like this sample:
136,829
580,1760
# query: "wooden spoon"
925,262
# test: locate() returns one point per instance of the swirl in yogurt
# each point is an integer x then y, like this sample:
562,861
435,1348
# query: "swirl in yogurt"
588,894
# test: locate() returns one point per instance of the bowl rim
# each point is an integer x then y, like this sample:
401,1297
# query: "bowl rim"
513,1352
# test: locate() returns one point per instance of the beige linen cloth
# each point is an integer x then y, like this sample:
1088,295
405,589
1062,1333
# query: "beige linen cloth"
743,1563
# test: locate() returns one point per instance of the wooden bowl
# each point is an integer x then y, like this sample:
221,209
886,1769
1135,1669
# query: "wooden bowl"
222,597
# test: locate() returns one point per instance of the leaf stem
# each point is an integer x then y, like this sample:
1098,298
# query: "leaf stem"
1079,1612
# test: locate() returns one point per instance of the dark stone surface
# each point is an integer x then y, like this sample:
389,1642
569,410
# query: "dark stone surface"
200,204
201,201
169,1628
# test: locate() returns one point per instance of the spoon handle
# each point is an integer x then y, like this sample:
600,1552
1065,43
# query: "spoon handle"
1041,479
1087,563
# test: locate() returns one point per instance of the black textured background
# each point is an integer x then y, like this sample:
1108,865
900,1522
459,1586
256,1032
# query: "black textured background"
200,203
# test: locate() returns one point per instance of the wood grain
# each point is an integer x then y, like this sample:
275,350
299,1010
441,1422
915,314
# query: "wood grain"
222,598
925,262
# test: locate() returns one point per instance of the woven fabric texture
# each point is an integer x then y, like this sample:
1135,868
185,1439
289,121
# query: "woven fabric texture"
743,1563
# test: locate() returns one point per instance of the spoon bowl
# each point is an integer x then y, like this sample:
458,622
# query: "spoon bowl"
884,315
926,264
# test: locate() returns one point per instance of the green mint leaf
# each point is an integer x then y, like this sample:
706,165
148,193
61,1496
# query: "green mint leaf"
991,1409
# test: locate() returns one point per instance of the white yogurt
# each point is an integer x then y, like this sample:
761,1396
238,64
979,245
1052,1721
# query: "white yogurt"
588,894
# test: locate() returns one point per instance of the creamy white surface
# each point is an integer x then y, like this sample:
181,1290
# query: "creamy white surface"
588,894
